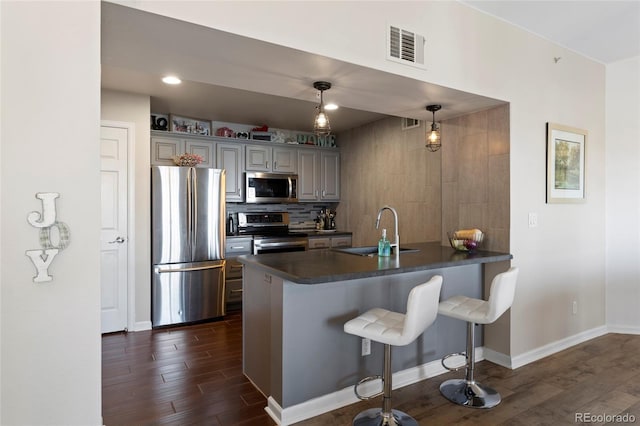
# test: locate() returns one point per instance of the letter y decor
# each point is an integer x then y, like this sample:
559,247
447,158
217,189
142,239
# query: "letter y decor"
51,242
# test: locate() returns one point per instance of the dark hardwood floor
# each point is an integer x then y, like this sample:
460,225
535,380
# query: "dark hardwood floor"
193,376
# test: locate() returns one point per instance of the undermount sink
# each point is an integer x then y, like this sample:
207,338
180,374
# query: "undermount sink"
371,250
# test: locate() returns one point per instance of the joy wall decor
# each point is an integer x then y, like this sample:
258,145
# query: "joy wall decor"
54,235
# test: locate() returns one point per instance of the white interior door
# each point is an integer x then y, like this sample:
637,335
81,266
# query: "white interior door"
114,241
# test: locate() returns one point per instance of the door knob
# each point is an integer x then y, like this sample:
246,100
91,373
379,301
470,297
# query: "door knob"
118,240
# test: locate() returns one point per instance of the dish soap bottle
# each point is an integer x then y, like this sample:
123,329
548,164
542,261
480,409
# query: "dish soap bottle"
384,246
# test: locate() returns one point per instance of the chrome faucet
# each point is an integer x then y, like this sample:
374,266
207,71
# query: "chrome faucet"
396,242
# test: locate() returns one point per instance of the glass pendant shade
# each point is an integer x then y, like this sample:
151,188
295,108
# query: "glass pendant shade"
433,140
321,126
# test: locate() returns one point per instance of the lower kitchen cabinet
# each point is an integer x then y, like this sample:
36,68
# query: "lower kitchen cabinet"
329,242
233,270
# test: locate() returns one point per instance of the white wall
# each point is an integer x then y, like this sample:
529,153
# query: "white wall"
623,195
562,260
50,120
118,106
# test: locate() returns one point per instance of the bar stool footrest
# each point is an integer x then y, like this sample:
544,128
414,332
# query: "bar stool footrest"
469,394
365,380
444,358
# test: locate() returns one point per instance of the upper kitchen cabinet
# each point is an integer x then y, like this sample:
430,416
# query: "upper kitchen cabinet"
318,175
229,157
259,158
164,149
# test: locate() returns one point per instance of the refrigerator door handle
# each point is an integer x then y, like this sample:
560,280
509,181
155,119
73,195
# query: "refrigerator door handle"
161,270
189,214
194,214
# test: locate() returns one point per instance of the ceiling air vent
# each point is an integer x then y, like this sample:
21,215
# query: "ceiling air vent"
405,46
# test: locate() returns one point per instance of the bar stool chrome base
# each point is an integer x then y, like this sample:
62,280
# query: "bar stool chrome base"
469,394
375,417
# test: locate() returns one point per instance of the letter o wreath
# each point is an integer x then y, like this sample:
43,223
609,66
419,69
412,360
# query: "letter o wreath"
63,232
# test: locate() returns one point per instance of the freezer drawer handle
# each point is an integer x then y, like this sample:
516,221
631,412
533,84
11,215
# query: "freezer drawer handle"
194,268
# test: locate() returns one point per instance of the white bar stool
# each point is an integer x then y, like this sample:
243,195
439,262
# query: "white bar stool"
392,328
467,391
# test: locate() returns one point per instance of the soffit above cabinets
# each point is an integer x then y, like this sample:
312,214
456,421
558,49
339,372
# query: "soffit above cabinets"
232,78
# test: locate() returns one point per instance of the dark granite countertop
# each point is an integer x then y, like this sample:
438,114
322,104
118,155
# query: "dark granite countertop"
329,265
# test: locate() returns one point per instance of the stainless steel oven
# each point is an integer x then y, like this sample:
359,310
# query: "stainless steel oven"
268,244
270,231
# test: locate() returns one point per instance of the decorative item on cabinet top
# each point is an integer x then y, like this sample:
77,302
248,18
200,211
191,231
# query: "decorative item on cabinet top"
192,126
239,131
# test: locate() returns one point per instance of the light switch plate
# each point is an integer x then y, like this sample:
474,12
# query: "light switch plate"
533,220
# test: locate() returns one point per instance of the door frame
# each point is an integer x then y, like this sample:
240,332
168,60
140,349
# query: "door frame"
131,288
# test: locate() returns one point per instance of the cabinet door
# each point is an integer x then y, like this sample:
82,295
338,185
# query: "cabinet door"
308,175
344,241
319,243
229,157
201,148
284,160
330,176
258,158
164,149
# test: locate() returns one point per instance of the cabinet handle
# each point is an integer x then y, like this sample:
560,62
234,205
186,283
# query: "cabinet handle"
324,193
236,291
275,165
266,164
236,267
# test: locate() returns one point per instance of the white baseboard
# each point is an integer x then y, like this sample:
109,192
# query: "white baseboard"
333,401
325,403
497,358
141,326
557,346
623,329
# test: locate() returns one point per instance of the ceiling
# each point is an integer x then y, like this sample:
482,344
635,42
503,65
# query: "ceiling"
606,31
236,79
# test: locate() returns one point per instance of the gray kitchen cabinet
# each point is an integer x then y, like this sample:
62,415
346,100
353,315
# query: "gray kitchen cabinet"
235,246
202,148
318,175
165,148
329,242
229,156
259,158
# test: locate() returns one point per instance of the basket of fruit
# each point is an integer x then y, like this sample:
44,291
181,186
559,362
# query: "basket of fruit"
466,239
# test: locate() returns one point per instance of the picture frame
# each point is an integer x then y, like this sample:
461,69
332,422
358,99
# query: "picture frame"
192,126
565,164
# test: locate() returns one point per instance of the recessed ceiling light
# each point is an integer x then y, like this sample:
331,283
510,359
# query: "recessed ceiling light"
171,79
331,107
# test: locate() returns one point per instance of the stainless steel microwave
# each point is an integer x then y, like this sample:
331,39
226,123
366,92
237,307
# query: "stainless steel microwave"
271,188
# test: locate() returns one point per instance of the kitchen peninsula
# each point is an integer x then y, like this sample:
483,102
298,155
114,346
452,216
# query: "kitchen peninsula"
295,304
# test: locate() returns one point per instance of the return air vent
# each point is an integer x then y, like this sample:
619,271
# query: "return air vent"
405,46
410,123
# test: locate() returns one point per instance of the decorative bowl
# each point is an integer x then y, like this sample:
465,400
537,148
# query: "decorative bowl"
188,160
467,240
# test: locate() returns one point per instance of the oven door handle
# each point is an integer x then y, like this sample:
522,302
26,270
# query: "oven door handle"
280,244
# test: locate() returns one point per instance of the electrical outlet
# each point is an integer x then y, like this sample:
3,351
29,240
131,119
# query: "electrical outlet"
575,307
533,220
366,347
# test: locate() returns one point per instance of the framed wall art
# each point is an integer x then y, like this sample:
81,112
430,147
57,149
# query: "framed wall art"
565,164
192,126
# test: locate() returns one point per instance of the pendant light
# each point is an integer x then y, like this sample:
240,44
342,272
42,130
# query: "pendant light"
433,136
321,123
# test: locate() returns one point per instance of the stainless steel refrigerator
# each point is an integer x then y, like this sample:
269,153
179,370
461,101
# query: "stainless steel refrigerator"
188,238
